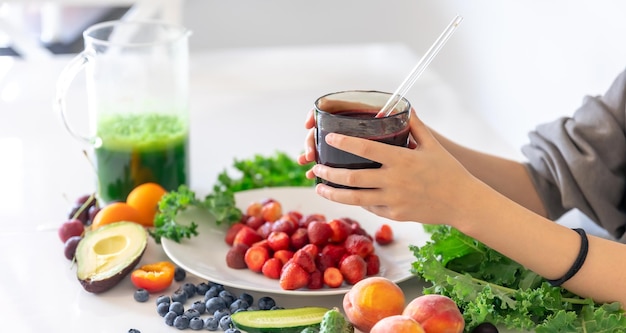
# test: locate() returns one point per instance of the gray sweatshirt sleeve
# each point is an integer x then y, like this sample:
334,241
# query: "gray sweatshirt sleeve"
580,161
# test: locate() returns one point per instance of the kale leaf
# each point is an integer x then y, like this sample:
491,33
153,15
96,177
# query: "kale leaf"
489,287
256,172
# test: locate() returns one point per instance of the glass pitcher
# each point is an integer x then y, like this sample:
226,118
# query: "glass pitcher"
137,80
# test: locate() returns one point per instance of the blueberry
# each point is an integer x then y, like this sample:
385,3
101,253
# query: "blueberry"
141,295
239,310
238,304
179,296
177,307
134,330
214,304
226,323
181,322
191,313
169,318
179,274
232,330
196,323
227,296
266,303
190,289
218,286
219,314
247,297
199,306
211,324
202,288
163,308
163,299
212,292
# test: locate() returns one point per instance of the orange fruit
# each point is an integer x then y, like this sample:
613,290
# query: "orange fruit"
115,212
145,199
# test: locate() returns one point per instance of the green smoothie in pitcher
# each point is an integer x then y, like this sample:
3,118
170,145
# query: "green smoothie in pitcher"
140,148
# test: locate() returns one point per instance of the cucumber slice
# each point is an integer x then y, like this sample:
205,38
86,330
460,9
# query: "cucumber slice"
278,321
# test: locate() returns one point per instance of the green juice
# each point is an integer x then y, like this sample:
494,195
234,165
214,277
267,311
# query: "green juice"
140,148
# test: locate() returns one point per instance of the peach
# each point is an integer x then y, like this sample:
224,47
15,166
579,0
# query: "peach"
371,300
397,324
436,314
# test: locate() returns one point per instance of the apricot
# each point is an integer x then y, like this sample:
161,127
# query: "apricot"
397,324
371,300
436,314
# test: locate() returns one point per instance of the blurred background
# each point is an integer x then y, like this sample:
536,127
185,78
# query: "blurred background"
514,63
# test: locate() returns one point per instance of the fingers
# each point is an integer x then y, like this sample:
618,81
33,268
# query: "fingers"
362,178
420,133
310,119
309,143
309,149
365,197
369,149
309,174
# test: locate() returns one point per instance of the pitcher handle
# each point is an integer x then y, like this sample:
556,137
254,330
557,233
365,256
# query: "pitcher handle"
66,77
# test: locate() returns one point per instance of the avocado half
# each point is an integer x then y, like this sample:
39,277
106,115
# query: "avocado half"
106,255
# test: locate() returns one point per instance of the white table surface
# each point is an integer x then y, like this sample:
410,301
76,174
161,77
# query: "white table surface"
243,102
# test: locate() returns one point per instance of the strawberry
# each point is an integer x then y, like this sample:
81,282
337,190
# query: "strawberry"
246,235
304,259
353,268
255,257
265,229
283,255
254,222
316,280
333,277
244,217
334,251
286,224
305,220
319,233
299,238
264,243
350,221
359,244
323,261
356,228
293,277
232,232
254,209
272,267
384,235
340,230
295,215
344,256
373,264
272,210
235,256
266,201
278,240
312,249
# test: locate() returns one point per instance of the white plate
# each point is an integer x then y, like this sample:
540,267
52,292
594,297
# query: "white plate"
204,255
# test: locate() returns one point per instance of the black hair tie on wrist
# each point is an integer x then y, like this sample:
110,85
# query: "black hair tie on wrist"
578,263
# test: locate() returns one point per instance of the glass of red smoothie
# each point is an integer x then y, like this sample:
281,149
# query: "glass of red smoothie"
353,113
